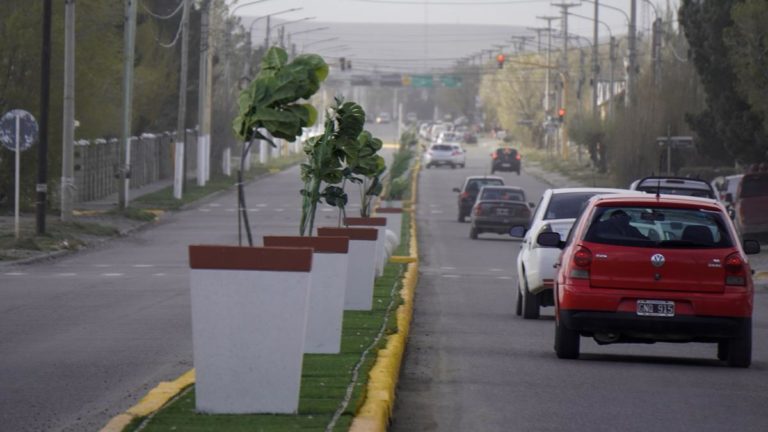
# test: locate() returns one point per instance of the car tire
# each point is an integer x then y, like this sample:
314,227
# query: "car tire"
740,347
463,165
461,218
530,303
453,166
519,302
473,233
566,341
518,171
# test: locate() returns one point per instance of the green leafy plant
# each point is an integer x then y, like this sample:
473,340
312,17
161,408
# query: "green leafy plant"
270,107
326,155
367,163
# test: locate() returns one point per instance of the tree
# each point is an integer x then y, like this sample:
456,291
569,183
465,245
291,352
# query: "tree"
728,128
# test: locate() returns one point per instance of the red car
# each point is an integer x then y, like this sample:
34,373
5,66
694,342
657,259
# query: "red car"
654,268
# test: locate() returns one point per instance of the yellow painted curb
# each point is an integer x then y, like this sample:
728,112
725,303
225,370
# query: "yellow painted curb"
758,275
374,414
403,259
153,401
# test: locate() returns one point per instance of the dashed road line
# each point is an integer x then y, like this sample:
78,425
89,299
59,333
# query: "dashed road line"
504,277
65,274
112,274
496,270
142,265
451,276
159,274
436,212
15,274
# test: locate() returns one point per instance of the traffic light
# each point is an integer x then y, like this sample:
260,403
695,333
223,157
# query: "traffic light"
500,61
343,62
561,115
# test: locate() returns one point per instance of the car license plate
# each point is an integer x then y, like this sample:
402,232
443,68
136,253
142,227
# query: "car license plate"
502,212
658,308
506,165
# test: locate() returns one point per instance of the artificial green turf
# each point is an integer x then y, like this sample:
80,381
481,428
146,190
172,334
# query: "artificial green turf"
325,377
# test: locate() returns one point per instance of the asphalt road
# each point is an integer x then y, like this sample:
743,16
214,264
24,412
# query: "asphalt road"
83,338
472,365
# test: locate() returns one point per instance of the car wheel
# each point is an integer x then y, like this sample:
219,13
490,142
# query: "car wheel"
566,341
518,171
463,165
519,302
740,347
530,303
461,217
453,166
473,233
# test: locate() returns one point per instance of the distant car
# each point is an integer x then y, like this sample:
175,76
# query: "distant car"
444,154
726,185
470,189
617,284
751,205
499,208
411,117
437,129
505,159
555,212
448,138
424,131
675,186
383,117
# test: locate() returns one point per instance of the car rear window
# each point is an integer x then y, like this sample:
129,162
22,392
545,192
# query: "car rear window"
683,191
754,186
501,195
474,185
567,205
659,227
441,147
506,151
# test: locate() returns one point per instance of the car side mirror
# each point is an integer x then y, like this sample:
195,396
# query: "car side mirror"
457,190
729,197
517,231
751,247
549,239
531,205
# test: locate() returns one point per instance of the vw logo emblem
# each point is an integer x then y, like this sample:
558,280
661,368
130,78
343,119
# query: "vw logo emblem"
657,260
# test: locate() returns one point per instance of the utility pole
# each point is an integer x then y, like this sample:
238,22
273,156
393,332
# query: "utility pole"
656,51
595,62
548,79
539,31
68,128
124,156
179,165
203,135
612,55
266,36
565,7
42,152
632,42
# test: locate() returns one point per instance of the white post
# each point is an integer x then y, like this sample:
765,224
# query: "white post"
227,162
127,183
178,172
263,152
17,179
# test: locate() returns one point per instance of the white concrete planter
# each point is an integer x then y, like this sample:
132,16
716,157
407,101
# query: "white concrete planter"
249,318
394,216
327,289
361,271
380,224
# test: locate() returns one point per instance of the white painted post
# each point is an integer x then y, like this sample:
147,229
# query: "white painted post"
381,226
249,318
17,178
263,152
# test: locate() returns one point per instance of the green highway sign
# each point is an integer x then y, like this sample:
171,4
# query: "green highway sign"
450,81
421,81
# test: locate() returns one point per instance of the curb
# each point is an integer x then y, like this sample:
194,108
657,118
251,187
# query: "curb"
374,414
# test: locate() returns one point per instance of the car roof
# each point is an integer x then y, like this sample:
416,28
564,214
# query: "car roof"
514,188
649,199
590,189
484,177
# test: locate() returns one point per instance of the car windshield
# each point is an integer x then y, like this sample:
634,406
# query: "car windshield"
498,194
567,205
659,227
442,147
754,186
474,185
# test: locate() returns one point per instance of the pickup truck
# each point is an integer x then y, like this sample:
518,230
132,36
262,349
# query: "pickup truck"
751,205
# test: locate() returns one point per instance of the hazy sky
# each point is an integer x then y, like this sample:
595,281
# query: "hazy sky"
492,12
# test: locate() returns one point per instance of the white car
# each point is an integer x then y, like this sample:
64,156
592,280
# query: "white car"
556,212
444,154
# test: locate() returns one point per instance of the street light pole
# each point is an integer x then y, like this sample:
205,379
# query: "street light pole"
595,62
549,20
68,129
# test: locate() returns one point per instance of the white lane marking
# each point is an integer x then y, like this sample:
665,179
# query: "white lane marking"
326,210
434,205
254,210
451,276
504,278
159,274
143,265
279,210
205,210
65,274
436,212
112,274
15,274
496,270
262,205
447,268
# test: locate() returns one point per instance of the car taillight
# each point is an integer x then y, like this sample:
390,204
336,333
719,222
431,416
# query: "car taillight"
479,210
582,259
517,157
494,156
735,273
464,195
455,153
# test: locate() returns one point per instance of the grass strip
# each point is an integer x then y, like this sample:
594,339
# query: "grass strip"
581,172
325,377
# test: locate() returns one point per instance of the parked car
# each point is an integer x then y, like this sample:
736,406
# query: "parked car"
445,154
505,159
617,284
555,212
674,186
383,117
499,208
751,205
469,191
724,186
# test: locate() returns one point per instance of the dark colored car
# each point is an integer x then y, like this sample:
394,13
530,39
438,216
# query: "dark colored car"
645,269
499,208
751,206
470,189
505,159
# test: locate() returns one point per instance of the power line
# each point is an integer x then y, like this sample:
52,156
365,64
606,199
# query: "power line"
172,14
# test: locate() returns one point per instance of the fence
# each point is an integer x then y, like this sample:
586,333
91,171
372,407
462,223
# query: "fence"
97,163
